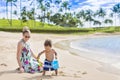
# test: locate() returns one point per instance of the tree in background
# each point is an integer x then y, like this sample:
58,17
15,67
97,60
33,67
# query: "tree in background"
11,11
116,11
63,16
100,14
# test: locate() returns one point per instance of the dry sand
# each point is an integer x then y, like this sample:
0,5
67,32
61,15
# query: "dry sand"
72,67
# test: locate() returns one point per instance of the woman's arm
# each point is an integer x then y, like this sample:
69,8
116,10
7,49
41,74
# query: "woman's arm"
19,51
33,54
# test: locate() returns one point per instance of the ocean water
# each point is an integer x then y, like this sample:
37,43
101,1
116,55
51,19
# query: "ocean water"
109,44
104,49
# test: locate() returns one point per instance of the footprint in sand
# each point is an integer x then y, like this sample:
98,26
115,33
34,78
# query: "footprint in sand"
83,73
77,76
62,67
53,74
61,73
78,71
3,64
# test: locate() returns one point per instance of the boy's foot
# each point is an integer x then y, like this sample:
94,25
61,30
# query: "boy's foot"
56,74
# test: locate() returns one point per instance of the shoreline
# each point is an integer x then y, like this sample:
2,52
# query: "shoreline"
66,45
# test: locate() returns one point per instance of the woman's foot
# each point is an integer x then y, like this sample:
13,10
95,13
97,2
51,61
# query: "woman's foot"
18,69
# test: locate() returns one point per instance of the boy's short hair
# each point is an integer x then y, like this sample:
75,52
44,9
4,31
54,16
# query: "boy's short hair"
48,43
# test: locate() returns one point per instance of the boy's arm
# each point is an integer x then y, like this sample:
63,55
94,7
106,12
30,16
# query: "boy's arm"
55,54
40,54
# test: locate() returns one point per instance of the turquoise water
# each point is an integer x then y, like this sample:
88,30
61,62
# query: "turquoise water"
110,45
102,49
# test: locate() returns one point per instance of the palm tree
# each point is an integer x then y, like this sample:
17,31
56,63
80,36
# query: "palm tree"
40,4
33,2
7,1
39,18
43,9
81,16
56,18
89,16
7,9
30,14
15,13
65,5
116,11
48,16
20,13
48,12
23,14
108,21
96,22
34,13
101,13
11,4
57,2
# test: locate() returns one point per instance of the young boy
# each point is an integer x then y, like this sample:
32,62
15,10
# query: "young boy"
50,54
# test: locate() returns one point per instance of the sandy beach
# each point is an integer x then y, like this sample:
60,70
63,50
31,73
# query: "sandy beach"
72,67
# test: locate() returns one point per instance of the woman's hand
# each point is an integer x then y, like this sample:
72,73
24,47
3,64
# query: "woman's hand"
21,70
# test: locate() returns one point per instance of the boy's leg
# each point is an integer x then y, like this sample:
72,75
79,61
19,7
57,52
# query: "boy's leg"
46,68
56,72
43,72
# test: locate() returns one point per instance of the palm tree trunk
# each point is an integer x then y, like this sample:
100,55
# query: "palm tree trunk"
11,16
7,11
34,14
103,22
115,19
90,24
119,22
26,14
20,14
44,18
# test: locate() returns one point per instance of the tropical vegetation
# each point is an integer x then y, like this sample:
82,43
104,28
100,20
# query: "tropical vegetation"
62,17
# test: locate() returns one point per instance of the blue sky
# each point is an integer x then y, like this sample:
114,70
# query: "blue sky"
77,4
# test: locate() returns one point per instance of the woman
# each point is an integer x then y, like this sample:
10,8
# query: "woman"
26,59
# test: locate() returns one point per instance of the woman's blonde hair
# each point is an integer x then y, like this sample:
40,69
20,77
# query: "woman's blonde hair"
25,29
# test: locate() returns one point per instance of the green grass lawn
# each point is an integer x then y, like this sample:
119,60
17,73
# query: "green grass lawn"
47,28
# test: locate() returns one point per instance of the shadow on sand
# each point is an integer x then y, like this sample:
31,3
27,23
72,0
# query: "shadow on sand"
40,77
8,72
